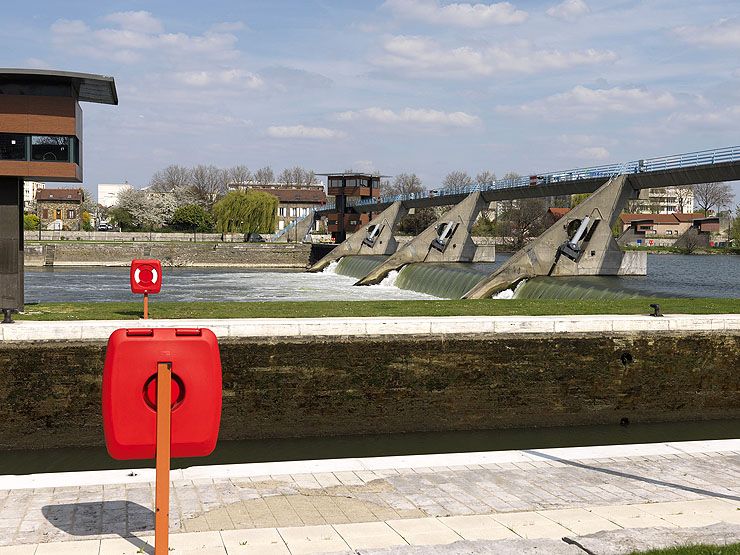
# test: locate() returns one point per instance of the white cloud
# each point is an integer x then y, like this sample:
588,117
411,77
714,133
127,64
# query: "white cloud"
568,9
457,14
725,32
235,78
423,56
420,116
584,103
715,117
303,132
129,43
594,153
141,21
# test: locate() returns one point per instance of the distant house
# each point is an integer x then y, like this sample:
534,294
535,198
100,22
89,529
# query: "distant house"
294,202
663,225
60,209
554,214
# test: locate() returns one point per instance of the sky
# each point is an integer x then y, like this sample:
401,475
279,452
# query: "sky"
423,86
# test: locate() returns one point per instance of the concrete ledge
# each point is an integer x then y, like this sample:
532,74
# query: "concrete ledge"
109,477
99,330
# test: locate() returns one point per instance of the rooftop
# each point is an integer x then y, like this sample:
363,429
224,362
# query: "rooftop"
75,195
88,87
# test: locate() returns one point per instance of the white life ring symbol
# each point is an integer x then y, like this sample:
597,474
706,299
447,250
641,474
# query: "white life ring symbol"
137,279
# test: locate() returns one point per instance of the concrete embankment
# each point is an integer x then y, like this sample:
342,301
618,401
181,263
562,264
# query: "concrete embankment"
213,254
304,377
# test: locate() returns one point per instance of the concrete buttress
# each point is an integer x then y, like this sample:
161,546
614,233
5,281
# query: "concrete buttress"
558,252
375,237
447,240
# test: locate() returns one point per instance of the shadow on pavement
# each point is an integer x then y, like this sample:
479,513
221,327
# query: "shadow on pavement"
123,518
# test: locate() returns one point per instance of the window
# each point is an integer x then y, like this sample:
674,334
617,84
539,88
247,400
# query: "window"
71,214
58,214
50,148
281,211
12,147
46,213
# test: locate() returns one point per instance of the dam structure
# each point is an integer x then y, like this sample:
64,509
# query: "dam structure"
580,244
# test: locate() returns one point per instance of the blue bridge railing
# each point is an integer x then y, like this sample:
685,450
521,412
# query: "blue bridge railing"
673,162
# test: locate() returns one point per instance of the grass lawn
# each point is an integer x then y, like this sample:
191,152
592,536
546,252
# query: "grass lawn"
323,309
733,549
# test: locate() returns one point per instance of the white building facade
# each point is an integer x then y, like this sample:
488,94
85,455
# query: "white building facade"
108,193
30,189
665,200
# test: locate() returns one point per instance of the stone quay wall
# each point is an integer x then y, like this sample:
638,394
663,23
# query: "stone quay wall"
247,255
327,384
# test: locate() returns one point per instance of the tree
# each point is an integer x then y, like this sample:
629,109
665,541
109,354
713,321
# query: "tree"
684,199
238,174
457,180
403,184
523,220
246,212
264,176
86,221
208,182
578,198
712,195
485,178
171,178
192,217
736,228
31,222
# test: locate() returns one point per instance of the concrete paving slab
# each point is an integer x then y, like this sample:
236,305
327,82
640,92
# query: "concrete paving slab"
265,541
700,512
197,542
486,547
79,547
532,525
18,550
629,516
127,546
364,535
304,540
579,521
424,531
477,527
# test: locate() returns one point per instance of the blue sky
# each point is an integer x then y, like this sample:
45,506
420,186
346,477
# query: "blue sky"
424,86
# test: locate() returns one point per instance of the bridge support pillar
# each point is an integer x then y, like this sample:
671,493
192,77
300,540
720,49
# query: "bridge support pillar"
447,240
375,237
580,243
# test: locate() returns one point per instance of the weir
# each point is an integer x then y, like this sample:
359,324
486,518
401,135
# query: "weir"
374,238
447,240
581,243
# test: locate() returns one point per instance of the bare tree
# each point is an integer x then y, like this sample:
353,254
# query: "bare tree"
264,176
208,182
712,195
403,184
238,174
457,179
485,177
684,199
522,221
171,178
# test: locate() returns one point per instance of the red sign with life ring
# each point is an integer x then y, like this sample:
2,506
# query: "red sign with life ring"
146,276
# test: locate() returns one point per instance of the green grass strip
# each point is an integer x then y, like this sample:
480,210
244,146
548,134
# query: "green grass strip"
359,309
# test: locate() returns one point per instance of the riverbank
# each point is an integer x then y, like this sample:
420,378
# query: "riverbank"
172,254
601,499
338,309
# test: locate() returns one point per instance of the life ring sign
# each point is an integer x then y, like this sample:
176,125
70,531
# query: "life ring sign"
146,276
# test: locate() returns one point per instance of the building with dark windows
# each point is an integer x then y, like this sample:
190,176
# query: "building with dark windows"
60,209
347,188
40,140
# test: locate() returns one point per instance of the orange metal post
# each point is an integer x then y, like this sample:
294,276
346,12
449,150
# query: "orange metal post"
162,495
146,306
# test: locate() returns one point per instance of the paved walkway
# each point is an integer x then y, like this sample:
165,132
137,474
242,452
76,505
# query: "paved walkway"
542,495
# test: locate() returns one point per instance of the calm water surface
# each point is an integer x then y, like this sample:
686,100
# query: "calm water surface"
263,450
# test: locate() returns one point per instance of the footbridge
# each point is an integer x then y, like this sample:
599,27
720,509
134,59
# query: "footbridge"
579,244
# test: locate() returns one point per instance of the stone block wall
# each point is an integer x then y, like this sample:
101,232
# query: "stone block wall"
322,386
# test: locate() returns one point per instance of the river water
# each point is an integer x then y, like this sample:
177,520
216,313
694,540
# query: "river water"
379,445
668,275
